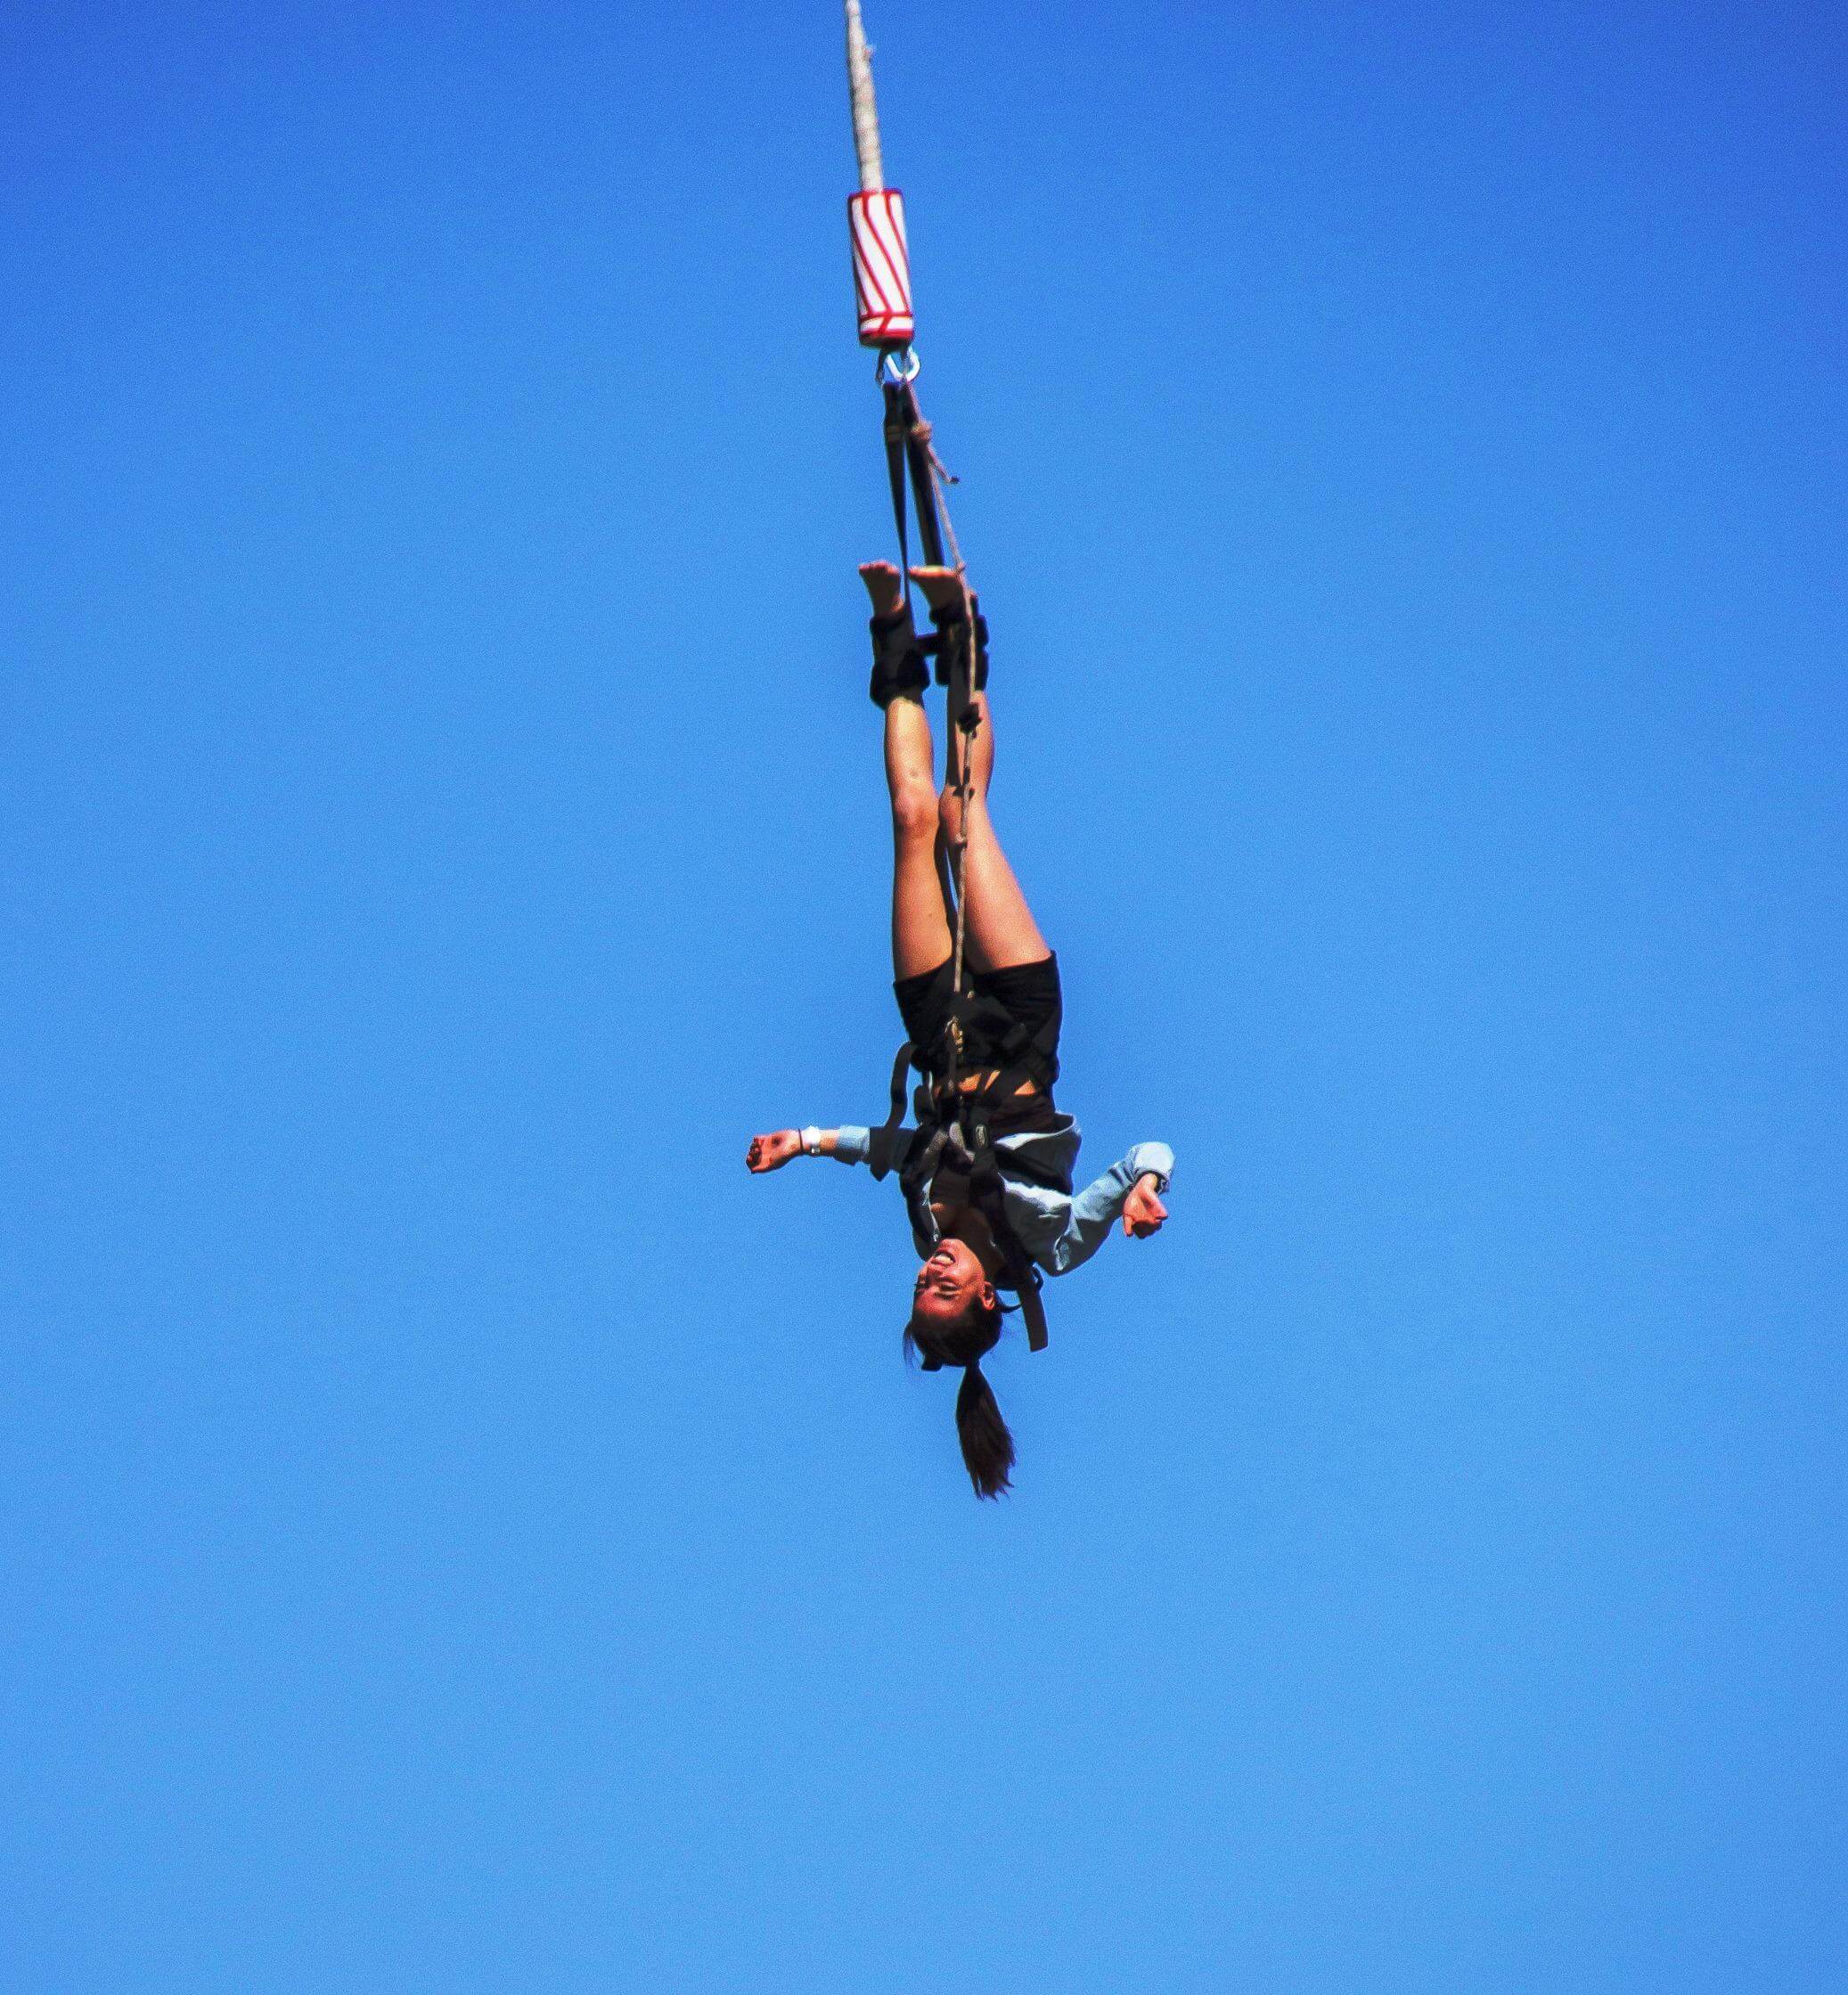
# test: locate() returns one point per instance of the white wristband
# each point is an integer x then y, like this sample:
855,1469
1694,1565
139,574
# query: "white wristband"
812,1140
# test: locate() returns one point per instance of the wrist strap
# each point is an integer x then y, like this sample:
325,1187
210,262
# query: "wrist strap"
811,1140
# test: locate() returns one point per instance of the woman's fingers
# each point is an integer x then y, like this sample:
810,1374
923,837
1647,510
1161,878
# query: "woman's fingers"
1143,1214
770,1153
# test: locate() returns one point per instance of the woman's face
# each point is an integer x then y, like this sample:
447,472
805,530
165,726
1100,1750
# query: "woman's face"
949,1282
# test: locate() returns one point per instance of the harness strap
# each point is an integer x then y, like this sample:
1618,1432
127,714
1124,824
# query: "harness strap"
968,1149
909,457
908,452
886,1136
975,1010
896,403
985,1195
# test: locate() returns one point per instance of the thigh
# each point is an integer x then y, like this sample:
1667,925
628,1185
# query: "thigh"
920,920
1000,929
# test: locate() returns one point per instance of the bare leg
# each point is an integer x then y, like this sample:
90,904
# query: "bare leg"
1001,931
921,922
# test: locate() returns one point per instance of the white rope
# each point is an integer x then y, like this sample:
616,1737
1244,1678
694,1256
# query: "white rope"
962,746
866,109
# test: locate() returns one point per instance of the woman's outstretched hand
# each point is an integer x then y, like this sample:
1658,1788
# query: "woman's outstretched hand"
770,1153
1143,1212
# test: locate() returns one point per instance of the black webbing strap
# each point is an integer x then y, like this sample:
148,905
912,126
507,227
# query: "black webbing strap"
1027,1284
898,406
1003,1041
917,451
985,1194
907,453
884,1137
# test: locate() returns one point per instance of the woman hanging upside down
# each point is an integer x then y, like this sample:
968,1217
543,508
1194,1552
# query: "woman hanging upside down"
988,1172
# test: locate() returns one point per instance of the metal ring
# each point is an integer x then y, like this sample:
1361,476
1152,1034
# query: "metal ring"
898,367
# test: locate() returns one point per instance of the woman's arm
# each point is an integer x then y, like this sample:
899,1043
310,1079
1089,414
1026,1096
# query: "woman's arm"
848,1144
1129,1190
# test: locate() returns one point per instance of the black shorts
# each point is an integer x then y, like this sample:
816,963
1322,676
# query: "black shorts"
1028,993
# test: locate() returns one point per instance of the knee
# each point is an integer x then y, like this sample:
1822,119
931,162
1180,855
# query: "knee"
915,813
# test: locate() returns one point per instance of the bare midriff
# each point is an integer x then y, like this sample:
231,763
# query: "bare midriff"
989,1081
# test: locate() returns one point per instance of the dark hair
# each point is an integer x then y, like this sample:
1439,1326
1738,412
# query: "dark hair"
987,1446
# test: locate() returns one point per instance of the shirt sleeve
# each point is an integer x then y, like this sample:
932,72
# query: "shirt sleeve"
853,1145
1099,1205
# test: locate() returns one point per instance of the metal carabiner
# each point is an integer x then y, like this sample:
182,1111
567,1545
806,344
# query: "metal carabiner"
898,367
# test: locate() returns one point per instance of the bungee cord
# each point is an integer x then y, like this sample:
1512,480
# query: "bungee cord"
882,284
986,1170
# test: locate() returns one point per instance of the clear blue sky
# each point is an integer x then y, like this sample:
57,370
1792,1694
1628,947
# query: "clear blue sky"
464,1534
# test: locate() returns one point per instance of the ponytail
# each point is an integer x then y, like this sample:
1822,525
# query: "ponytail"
987,1446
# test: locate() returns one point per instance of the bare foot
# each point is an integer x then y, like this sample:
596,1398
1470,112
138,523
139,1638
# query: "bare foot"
883,586
943,589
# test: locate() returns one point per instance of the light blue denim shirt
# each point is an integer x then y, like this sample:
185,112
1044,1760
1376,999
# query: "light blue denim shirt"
1060,1230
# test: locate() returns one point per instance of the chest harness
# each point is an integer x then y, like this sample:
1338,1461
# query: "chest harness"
954,1140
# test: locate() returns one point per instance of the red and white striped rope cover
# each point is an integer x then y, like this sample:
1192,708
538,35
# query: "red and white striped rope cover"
882,268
